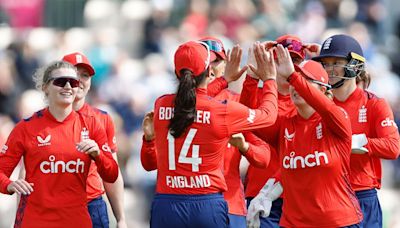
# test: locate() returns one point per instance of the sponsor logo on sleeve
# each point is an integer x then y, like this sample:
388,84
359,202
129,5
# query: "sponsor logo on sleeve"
4,149
252,115
106,148
388,123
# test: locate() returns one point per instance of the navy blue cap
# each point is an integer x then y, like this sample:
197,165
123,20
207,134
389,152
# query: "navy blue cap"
342,46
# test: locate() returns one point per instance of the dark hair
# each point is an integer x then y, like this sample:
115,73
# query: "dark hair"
185,102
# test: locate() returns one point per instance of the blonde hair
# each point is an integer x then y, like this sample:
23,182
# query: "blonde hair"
42,75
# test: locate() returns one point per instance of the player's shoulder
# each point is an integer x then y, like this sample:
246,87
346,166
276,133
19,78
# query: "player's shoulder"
38,115
374,100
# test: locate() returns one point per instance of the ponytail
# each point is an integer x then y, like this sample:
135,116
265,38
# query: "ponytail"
185,102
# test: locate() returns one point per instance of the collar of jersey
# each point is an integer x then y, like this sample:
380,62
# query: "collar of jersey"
355,96
71,116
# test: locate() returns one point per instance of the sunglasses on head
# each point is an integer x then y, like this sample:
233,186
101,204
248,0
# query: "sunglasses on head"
61,82
214,45
295,45
207,62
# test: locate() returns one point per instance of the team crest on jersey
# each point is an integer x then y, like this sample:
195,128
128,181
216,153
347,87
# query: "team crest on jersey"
288,137
4,149
45,141
84,134
362,115
318,131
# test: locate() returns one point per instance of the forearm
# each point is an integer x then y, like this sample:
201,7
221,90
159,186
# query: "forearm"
385,147
115,194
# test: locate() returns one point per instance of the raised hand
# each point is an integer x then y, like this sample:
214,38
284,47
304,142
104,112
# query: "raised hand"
284,64
148,126
251,60
265,69
312,49
20,187
232,68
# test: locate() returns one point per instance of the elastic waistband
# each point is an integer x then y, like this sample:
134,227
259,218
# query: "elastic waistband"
189,197
366,193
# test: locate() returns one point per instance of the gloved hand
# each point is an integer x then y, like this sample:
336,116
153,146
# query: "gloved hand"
358,141
262,203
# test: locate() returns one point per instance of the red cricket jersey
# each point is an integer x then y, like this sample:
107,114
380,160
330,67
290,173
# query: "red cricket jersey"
374,117
257,177
57,170
193,162
94,184
315,163
257,155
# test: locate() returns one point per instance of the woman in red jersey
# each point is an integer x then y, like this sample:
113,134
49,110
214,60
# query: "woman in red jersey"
375,134
255,150
314,147
57,145
192,131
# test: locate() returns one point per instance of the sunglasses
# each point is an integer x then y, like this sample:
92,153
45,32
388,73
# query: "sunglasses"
207,62
214,45
295,45
61,82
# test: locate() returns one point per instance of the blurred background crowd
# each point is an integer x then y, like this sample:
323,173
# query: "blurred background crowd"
131,44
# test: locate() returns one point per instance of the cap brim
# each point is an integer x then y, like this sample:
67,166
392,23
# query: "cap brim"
213,56
318,58
297,54
88,67
308,75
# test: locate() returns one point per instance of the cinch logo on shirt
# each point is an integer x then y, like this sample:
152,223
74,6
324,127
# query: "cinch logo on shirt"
105,147
44,142
53,166
310,160
388,123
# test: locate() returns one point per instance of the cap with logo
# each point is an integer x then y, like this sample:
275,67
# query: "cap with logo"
194,56
215,46
294,45
314,71
342,46
79,59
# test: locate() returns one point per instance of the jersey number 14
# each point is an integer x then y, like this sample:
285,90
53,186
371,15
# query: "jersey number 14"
183,158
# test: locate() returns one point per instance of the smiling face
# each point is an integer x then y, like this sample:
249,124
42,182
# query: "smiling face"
334,66
85,83
61,96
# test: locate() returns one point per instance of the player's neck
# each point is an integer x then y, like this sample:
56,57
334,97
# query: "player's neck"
343,92
78,104
60,113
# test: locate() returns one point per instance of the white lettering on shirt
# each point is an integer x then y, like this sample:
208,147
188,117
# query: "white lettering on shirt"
167,113
388,123
310,160
200,181
53,166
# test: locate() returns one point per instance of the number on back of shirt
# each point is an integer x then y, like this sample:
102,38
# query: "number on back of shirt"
183,158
